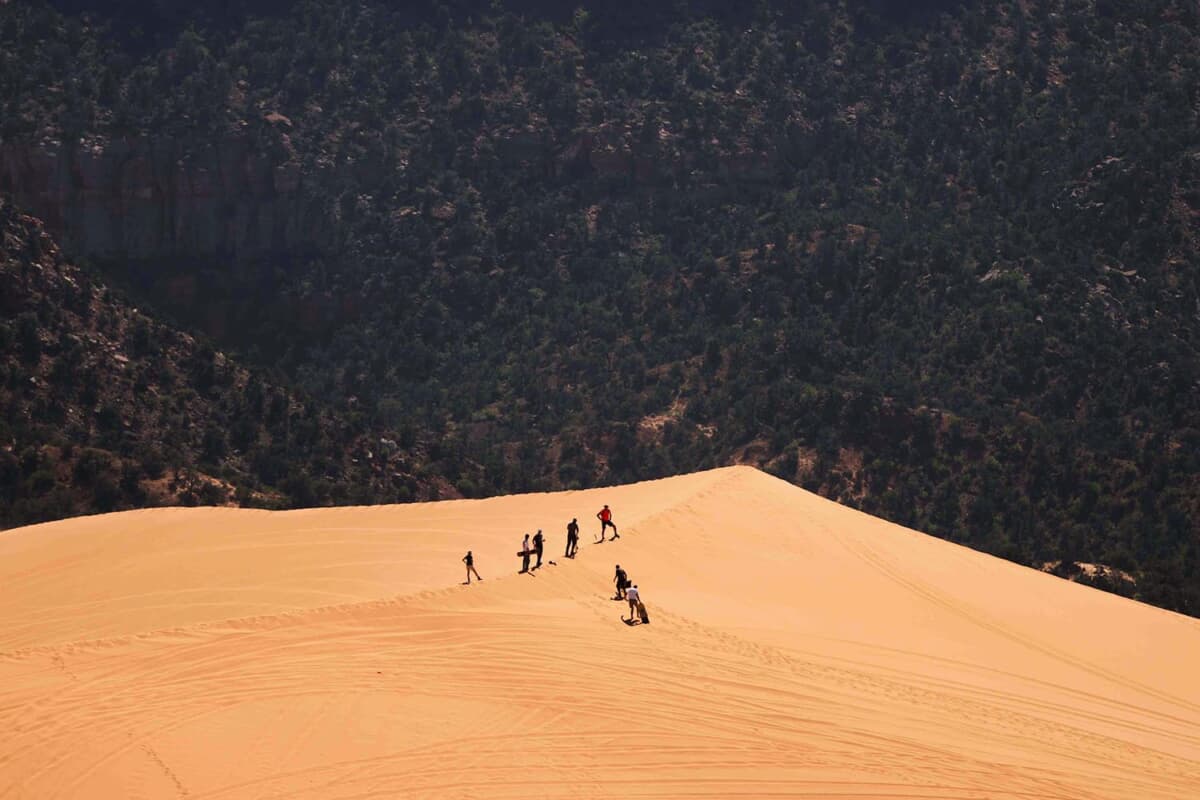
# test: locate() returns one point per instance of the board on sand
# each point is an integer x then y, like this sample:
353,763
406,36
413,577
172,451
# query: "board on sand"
642,613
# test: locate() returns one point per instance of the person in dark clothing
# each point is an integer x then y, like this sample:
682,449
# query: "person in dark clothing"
621,580
572,538
605,517
538,543
525,554
469,560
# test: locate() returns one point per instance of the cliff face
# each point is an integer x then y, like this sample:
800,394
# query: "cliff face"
143,197
149,198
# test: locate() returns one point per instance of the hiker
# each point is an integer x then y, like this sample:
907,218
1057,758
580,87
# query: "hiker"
538,543
572,538
525,554
631,594
469,560
622,580
605,517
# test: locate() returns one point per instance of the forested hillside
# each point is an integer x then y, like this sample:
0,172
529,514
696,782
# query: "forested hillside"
941,264
104,408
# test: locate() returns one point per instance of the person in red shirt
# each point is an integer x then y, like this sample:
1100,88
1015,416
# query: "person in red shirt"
605,517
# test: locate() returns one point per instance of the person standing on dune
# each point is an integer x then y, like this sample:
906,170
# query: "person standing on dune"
621,580
525,554
605,517
572,538
469,560
538,543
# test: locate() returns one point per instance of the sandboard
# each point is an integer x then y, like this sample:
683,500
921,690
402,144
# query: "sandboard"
642,613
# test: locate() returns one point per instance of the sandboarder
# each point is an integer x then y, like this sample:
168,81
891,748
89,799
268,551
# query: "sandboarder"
524,554
621,580
469,560
605,517
572,538
631,594
538,544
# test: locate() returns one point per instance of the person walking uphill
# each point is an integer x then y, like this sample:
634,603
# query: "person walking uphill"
621,580
641,607
538,543
605,517
469,560
572,538
631,594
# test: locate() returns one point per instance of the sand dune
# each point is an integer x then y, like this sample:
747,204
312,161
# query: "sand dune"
797,649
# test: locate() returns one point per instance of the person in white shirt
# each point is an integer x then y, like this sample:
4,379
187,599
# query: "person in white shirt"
525,554
631,594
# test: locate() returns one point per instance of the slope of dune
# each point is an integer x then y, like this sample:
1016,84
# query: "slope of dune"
797,648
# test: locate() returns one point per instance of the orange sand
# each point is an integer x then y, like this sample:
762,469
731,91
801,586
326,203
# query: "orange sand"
797,648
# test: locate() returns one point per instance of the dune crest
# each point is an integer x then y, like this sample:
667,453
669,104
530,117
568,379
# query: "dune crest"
797,648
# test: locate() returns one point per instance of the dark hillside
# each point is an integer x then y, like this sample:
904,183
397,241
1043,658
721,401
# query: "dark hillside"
103,408
941,265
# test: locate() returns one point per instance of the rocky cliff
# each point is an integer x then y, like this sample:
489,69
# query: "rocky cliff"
144,197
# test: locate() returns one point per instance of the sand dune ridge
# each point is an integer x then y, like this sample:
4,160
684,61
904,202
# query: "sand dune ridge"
797,648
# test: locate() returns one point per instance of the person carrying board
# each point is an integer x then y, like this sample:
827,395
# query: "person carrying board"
524,554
